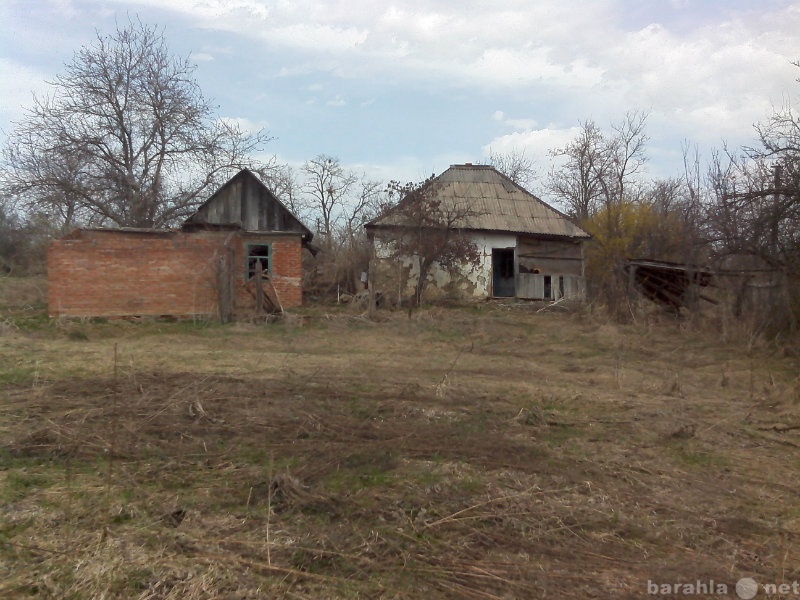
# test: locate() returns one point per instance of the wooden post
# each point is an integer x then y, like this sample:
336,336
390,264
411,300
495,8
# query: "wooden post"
224,287
371,305
259,288
271,294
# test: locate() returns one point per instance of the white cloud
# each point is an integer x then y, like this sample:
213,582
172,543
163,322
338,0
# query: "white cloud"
711,82
536,143
316,37
209,9
65,8
524,124
705,69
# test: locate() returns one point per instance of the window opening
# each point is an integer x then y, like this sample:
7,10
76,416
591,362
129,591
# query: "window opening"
256,252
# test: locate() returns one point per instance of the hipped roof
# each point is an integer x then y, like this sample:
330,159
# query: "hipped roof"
494,202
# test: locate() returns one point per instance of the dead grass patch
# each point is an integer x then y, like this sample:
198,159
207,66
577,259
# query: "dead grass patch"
463,453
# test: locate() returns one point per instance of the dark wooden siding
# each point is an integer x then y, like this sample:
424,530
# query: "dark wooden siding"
247,202
550,256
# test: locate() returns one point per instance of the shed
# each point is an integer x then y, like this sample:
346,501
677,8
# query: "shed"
207,267
669,283
528,248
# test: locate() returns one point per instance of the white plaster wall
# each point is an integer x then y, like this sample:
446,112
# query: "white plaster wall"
485,242
480,277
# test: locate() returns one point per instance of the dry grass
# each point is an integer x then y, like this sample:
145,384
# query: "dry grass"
468,453
22,292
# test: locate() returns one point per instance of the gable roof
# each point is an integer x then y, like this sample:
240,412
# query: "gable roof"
247,202
497,203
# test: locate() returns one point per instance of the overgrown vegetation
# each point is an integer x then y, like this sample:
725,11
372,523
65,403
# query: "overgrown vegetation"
480,452
126,138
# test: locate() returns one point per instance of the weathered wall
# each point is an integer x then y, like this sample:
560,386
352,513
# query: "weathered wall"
108,273
550,287
550,257
549,269
472,282
287,269
561,261
246,202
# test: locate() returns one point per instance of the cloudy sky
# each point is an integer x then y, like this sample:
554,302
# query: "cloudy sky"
403,89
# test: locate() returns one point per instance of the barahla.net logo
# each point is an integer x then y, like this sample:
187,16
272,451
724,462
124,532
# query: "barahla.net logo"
746,588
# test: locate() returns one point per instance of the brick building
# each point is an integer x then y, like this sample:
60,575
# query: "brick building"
207,268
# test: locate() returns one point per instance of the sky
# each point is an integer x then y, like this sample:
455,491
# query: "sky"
401,90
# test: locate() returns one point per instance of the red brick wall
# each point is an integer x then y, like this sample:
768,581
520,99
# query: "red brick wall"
286,275
121,273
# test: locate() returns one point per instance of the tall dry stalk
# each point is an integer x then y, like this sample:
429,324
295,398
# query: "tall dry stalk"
270,473
112,442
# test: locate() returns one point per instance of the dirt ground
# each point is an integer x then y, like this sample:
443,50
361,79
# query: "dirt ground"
475,452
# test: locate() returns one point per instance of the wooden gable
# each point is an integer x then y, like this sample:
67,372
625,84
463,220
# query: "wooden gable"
246,202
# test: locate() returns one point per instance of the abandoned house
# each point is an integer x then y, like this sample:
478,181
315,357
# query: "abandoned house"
527,248
209,267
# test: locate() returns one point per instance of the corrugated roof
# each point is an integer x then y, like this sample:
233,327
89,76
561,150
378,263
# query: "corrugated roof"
497,203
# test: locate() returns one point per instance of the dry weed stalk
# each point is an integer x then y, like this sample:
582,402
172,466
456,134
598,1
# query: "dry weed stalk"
441,387
111,449
270,470
456,516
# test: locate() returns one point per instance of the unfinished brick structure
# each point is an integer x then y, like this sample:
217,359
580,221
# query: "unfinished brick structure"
207,265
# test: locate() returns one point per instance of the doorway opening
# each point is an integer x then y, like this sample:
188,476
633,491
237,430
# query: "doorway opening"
503,273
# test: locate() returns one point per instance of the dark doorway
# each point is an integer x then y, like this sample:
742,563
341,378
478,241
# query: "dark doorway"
503,272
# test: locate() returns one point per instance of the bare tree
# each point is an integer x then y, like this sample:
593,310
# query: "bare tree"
579,182
694,195
341,201
11,239
351,250
675,232
125,135
516,165
600,168
366,204
23,240
600,181
755,212
429,231
283,181
327,186
756,207
626,150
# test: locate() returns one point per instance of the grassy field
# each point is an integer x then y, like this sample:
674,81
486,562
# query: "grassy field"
476,452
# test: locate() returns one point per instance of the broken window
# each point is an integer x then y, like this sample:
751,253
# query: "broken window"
548,288
255,253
